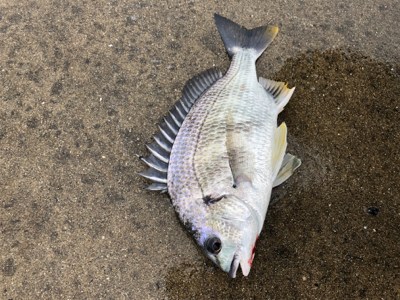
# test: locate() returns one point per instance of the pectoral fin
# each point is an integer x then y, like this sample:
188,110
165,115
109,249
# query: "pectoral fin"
240,153
289,164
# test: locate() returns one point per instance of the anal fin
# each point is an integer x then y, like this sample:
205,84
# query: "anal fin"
278,90
289,164
279,148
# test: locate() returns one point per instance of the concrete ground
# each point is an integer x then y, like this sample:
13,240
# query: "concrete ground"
83,85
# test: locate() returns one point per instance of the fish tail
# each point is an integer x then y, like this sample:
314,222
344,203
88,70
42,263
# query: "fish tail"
238,38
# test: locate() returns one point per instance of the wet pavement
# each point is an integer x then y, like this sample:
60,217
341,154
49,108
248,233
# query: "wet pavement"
83,85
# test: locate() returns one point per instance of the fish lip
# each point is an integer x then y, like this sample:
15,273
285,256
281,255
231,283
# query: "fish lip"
234,265
245,266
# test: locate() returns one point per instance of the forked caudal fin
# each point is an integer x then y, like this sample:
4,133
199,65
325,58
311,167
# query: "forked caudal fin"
237,38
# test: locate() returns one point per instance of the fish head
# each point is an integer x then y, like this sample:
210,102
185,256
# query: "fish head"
229,235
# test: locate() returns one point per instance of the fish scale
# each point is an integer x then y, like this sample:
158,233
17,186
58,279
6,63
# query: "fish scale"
220,152
249,105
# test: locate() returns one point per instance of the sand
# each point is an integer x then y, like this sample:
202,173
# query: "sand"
83,85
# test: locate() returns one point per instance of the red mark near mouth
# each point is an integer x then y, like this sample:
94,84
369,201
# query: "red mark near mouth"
253,252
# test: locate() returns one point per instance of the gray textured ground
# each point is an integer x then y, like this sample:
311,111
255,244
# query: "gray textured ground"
82,86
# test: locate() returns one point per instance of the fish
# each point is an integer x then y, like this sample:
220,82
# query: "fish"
220,150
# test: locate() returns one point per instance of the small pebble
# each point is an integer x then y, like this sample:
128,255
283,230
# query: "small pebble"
372,211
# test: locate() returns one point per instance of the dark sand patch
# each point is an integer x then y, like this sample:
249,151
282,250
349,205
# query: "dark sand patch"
319,241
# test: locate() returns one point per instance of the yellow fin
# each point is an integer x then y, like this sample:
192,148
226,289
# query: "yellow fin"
289,164
279,148
278,90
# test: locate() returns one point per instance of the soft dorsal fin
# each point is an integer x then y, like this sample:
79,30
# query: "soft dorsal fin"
161,148
278,148
289,164
278,90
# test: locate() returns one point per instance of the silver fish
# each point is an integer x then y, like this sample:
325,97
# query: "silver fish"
220,151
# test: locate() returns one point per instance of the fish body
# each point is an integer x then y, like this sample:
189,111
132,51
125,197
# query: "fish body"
226,152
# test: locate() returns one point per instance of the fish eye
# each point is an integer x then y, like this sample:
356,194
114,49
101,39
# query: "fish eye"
213,245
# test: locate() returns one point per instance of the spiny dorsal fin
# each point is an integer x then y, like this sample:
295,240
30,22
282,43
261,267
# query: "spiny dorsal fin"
161,148
156,186
289,164
279,148
278,90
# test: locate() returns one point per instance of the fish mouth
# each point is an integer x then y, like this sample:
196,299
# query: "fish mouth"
244,265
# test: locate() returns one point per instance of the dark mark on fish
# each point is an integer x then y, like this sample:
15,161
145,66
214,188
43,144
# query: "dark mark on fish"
209,200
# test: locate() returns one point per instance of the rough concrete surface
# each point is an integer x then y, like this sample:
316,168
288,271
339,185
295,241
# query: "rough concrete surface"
83,85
